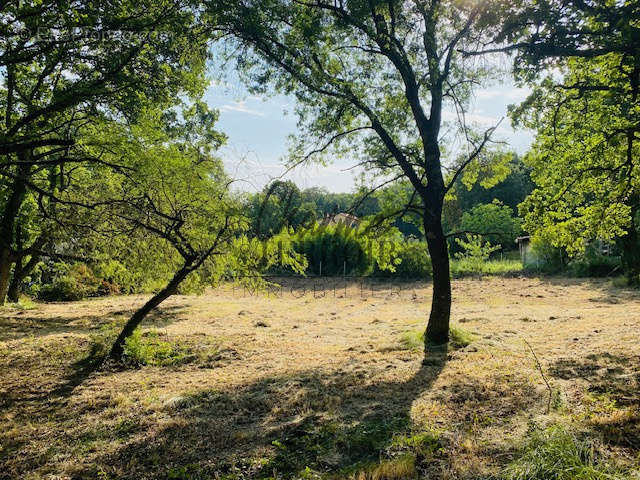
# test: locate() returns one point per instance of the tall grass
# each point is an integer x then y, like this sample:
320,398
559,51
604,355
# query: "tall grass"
464,267
556,454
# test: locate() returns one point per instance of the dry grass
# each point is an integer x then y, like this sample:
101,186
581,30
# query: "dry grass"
299,387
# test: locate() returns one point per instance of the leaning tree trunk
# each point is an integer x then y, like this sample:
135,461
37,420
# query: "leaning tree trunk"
438,326
136,319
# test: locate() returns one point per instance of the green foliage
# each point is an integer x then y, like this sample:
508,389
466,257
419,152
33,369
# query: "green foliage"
412,260
584,162
511,191
464,267
494,221
66,71
412,340
280,205
343,249
593,264
148,348
551,259
459,337
69,283
475,252
557,454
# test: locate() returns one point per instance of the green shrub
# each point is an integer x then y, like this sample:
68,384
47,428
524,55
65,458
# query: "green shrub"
492,217
332,249
339,249
475,251
593,264
70,283
556,454
550,259
412,261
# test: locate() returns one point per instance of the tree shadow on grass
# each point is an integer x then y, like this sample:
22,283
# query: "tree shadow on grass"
66,378
21,323
337,422
614,383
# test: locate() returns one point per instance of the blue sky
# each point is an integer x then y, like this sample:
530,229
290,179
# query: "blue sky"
258,129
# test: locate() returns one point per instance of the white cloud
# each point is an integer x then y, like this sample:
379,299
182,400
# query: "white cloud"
241,107
472,118
498,92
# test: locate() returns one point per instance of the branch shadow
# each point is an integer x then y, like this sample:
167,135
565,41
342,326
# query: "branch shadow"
614,381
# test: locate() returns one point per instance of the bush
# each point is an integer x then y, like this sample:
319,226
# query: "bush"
593,264
330,250
492,217
475,252
414,261
70,283
338,249
550,259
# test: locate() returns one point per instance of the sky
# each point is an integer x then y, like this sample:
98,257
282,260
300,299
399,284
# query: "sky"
258,129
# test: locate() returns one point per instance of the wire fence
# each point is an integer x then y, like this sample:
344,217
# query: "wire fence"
318,286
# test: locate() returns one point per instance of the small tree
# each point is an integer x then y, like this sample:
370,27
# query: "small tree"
475,252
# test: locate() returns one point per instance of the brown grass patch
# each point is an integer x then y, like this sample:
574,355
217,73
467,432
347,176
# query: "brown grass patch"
318,383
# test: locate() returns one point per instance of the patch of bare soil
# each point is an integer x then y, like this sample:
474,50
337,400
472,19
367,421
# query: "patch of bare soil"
319,376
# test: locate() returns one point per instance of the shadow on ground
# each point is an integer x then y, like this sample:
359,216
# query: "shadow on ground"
281,426
614,383
17,324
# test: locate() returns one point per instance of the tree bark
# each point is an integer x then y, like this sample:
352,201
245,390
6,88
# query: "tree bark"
630,245
7,228
20,272
136,319
438,326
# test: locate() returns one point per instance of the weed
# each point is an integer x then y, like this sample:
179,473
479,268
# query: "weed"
399,468
345,448
149,349
459,337
412,340
557,454
464,267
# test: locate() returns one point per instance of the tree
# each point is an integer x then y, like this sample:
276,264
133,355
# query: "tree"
371,78
172,195
280,205
511,190
65,65
493,221
586,113
585,160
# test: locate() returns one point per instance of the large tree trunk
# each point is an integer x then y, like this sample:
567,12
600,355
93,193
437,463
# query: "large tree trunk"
136,319
630,245
7,228
20,272
438,327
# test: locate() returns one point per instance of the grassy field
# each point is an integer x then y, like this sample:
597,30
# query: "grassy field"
541,382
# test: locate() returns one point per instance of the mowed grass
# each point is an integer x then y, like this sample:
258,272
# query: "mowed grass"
322,382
